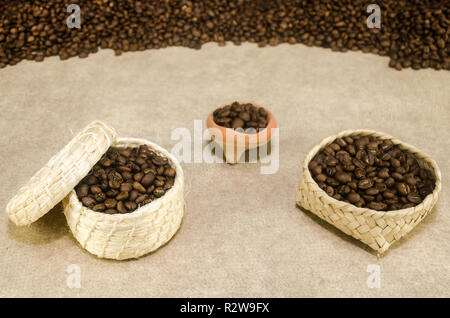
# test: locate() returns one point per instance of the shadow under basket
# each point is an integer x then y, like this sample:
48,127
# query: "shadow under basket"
129,235
377,229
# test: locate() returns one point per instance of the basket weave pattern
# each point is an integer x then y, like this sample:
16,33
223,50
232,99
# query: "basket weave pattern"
60,175
130,235
379,230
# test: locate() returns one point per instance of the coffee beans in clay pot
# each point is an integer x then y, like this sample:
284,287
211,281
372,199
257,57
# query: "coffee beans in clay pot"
371,173
125,179
241,116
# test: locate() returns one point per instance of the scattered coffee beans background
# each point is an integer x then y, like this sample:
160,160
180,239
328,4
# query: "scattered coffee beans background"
371,173
125,179
413,33
243,116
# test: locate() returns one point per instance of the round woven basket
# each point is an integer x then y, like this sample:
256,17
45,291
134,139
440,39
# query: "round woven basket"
377,229
130,235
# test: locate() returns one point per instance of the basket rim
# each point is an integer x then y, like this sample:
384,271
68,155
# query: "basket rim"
144,209
354,209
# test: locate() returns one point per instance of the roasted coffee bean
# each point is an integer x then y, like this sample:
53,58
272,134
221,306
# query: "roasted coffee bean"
330,191
100,197
368,198
99,207
365,184
91,180
411,181
237,123
372,191
389,182
381,187
128,176
122,196
331,171
403,188
359,173
110,203
379,206
88,201
133,195
315,171
168,184
159,192
110,211
383,173
169,172
139,187
114,184
95,189
158,183
121,207
343,177
147,179
106,162
414,197
131,206
138,176
83,190
366,169
397,176
112,193
353,197
126,187
159,161
141,198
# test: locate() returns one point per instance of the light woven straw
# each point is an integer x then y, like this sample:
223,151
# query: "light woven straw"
377,229
129,235
60,175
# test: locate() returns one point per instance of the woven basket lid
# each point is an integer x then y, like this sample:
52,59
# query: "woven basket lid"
61,174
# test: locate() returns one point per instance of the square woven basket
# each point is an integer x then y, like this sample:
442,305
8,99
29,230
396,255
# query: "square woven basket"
377,229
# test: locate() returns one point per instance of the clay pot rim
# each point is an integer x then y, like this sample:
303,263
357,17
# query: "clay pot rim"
261,137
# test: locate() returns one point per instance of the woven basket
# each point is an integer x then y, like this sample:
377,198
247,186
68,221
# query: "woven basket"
129,235
379,230
61,174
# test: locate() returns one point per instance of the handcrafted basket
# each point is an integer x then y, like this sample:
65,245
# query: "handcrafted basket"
377,229
61,174
130,235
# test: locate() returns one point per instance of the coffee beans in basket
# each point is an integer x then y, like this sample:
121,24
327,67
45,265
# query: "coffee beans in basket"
125,179
241,116
371,173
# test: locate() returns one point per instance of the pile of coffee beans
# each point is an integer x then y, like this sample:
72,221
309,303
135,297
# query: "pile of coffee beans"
413,33
126,179
371,173
247,117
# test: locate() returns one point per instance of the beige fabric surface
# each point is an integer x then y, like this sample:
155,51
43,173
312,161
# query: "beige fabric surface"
242,234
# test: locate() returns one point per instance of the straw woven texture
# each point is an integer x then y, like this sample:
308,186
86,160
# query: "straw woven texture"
379,230
130,235
61,174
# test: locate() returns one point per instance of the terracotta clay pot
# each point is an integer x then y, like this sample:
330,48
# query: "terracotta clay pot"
235,143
